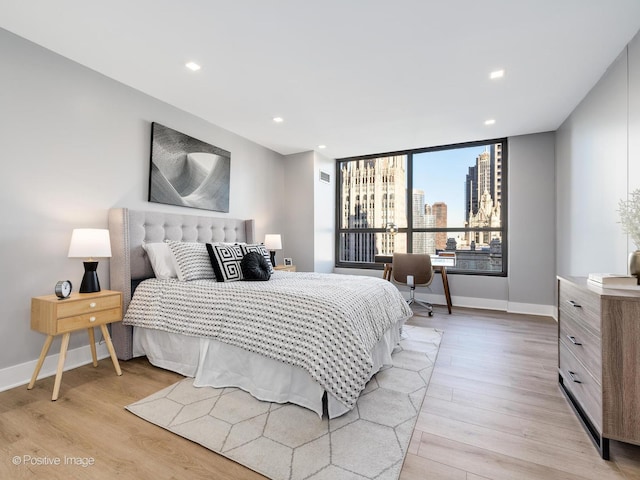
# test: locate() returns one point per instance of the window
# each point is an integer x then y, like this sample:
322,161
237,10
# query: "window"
441,199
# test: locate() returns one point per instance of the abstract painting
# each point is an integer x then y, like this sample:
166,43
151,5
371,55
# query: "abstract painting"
188,172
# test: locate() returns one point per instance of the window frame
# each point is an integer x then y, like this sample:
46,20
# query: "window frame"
410,230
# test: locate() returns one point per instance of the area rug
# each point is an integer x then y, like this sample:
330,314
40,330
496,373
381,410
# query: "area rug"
288,442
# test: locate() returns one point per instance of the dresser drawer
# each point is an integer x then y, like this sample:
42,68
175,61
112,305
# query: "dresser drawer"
78,322
81,306
581,305
584,345
583,386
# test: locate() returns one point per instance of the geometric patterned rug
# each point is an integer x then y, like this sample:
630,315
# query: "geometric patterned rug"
288,442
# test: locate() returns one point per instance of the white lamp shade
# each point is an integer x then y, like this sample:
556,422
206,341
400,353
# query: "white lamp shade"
90,243
273,241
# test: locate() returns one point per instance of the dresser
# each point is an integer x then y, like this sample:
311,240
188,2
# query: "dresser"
599,358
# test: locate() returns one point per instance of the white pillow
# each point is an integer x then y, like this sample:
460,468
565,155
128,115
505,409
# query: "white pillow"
161,260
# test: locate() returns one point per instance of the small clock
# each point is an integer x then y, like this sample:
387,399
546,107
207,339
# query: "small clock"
63,289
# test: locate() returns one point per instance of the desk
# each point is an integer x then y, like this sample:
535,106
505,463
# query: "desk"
438,263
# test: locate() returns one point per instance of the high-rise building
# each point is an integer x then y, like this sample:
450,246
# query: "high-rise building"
484,176
471,192
496,181
484,195
439,211
374,195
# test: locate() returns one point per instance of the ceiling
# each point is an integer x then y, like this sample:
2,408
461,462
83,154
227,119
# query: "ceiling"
359,76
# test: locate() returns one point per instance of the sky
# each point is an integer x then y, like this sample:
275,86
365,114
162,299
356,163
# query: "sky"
441,175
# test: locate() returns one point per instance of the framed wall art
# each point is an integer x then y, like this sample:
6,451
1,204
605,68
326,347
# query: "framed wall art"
188,172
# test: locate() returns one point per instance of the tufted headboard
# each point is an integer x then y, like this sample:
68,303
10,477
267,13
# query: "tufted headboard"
129,229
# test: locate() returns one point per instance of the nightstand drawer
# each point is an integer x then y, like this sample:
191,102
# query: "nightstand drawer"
581,305
78,322
586,347
84,305
583,386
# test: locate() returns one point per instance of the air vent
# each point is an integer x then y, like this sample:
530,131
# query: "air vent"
325,177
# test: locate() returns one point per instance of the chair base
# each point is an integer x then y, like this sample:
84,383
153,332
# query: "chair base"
426,305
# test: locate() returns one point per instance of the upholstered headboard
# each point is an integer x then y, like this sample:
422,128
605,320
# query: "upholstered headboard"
129,229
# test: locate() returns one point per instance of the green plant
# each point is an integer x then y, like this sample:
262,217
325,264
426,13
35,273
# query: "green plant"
629,211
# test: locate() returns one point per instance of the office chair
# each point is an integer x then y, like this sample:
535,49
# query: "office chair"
413,270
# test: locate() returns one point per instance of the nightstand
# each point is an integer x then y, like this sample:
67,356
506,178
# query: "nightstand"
80,311
285,268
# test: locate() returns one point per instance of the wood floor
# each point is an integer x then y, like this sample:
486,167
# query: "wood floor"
493,411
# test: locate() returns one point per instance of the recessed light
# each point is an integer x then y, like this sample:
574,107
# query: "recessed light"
193,66
496,74
489,122
278,119
322,146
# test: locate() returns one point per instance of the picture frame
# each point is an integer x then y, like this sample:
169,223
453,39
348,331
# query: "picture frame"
288,261
188,172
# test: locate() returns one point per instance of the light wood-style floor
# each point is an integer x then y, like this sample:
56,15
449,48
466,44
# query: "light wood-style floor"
493,411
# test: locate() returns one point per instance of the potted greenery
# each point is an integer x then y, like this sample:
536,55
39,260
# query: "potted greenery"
629,211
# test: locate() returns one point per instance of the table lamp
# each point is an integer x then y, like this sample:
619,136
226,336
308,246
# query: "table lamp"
90,243
273,242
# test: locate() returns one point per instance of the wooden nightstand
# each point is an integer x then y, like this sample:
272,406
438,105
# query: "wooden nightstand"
52,316
285,268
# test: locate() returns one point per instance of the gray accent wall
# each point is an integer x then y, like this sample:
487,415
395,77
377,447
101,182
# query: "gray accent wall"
308,234
532,219
598,162
75,143
297,234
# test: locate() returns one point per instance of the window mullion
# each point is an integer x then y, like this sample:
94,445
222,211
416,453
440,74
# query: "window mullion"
409,202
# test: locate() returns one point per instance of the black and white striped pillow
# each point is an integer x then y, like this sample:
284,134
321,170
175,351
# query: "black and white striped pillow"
261,249
191,260
225,260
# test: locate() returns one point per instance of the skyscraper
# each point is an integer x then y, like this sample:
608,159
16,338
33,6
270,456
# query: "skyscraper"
439,211
374,195
483,194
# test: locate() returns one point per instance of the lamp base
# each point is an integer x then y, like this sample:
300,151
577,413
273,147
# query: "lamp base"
90,283
273,257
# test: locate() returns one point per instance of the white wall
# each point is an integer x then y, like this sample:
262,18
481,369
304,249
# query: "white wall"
324,205
597,151
309,212
298,213
633,137
74,144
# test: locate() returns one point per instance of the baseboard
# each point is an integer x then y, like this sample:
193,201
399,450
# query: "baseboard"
17,375
490,304
532,309
467,302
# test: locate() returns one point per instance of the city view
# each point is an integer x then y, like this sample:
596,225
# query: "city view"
457,188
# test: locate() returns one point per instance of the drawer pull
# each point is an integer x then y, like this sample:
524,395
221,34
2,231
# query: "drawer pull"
573,340
92,304
574,304
92,319
573,377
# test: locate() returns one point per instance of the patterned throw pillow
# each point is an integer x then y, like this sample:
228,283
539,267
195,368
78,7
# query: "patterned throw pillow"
261,249
192,260
225,260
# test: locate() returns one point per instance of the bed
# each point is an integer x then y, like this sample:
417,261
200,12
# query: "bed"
306,338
